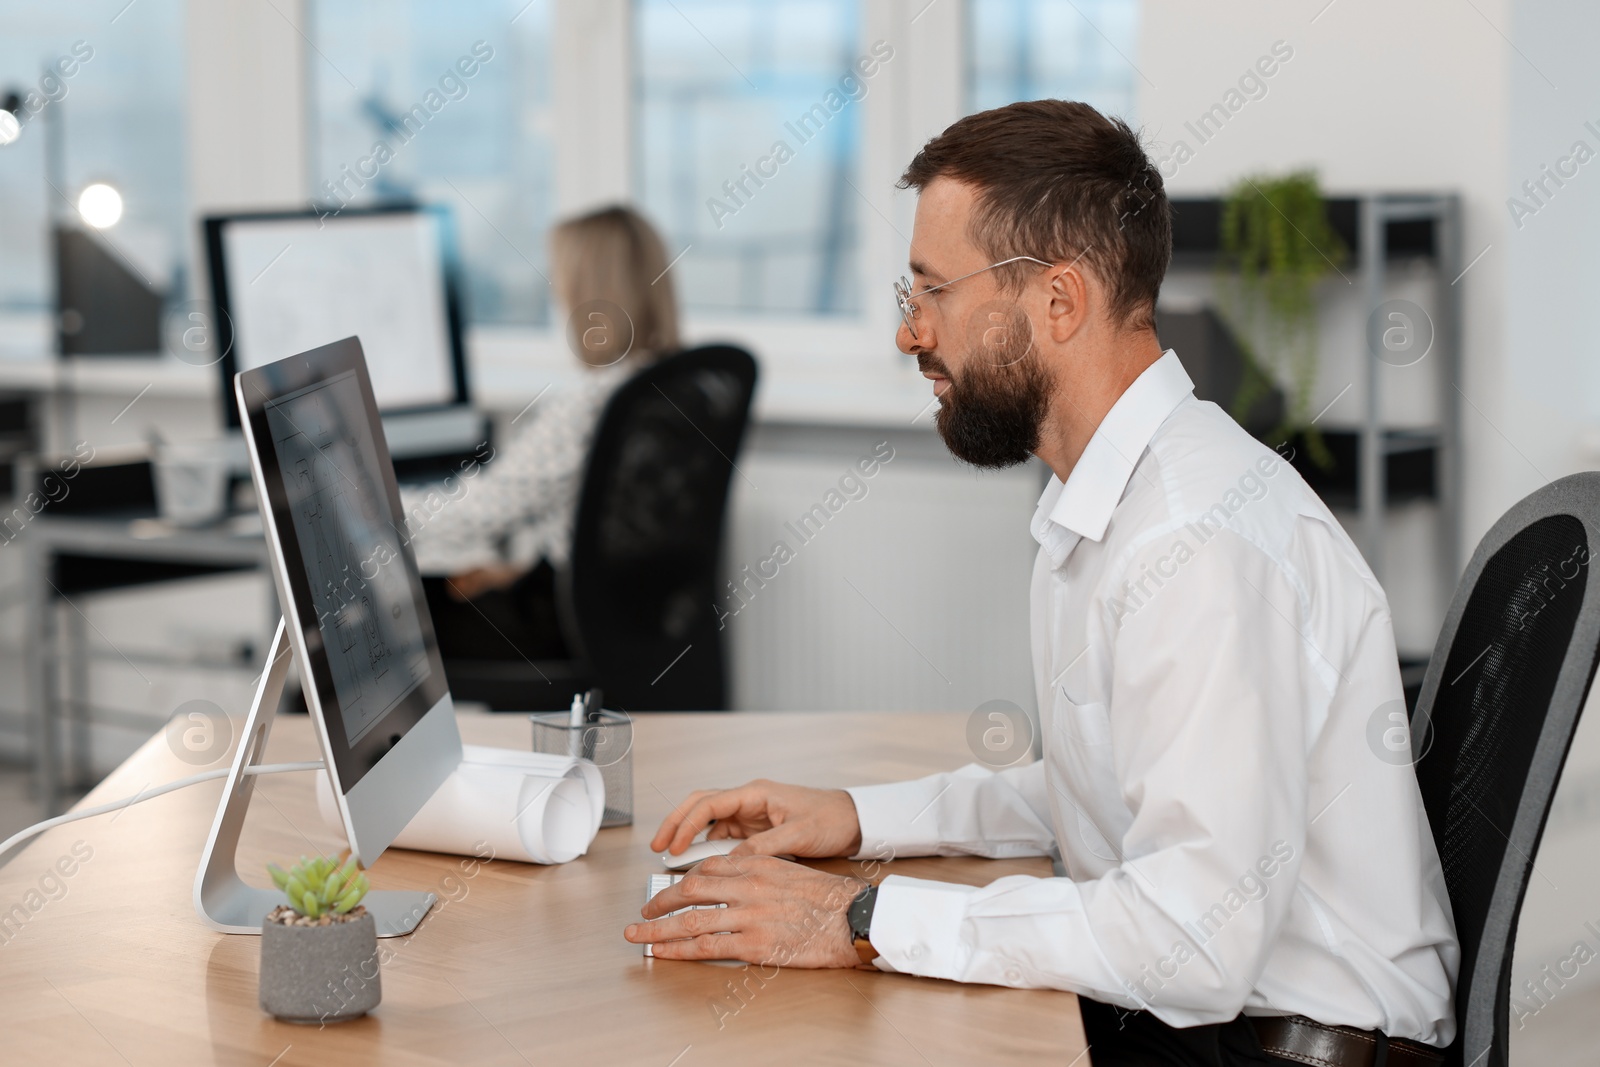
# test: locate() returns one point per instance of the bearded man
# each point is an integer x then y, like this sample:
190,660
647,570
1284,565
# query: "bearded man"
1245,879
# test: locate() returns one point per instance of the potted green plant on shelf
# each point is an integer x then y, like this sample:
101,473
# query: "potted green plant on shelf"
319,951
1277,245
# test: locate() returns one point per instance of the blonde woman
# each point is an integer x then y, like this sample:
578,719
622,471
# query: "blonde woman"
488,545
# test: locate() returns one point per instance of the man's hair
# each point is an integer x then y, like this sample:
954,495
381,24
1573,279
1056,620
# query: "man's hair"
1058,180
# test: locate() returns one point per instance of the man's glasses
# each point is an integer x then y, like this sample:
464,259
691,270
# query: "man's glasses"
907,299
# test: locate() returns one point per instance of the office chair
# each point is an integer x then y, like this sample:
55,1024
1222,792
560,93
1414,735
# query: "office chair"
1492,727
636,598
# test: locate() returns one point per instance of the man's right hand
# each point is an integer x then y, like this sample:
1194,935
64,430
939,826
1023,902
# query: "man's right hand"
773,819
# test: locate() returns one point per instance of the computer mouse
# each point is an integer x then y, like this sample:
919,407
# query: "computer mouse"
700,850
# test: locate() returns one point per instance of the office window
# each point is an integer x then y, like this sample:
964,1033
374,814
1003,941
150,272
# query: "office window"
1065,49
443,103
747,128
109,78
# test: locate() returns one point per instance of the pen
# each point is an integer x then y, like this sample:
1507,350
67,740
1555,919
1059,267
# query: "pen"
591,716
575,727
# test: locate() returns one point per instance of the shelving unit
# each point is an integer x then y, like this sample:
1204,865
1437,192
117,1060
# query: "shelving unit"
1378,466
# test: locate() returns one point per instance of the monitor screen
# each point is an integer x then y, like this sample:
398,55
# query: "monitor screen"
350,548
285,283
346,574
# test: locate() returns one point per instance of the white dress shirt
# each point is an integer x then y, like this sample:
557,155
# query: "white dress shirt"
1225,774
520,506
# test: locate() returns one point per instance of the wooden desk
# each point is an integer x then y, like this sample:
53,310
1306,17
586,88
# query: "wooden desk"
519,964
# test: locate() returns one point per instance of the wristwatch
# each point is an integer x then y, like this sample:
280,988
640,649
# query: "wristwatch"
860,919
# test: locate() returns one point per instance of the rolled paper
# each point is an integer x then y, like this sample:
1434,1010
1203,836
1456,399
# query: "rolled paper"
526,806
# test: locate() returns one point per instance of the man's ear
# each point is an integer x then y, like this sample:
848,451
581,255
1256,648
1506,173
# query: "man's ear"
1068,309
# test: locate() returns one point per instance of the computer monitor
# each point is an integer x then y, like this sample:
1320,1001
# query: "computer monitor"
352,600
288,281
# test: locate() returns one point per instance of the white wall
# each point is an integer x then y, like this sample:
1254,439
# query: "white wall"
1548,384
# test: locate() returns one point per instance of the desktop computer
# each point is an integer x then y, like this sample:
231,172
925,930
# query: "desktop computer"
355,621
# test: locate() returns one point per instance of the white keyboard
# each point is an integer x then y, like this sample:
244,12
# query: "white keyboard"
657,883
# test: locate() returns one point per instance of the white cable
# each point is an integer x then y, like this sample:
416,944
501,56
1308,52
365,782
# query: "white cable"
146,794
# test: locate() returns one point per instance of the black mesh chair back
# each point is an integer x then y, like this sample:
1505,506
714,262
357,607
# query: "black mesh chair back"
1492,727
640,589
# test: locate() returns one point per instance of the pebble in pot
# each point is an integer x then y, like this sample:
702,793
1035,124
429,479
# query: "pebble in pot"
319,952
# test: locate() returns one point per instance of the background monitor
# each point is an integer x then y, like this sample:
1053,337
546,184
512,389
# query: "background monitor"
287,282
356,614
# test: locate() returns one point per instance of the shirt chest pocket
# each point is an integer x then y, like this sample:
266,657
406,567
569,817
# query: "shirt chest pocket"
1084,793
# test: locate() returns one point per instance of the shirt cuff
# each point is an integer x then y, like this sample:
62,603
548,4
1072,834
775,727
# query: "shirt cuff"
916,927
900,818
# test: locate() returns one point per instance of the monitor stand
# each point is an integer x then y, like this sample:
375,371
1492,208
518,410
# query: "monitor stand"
221,897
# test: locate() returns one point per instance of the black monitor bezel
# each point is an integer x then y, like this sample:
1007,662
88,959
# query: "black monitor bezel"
256,389
215,225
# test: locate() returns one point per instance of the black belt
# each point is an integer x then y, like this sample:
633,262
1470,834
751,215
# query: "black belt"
1301,1040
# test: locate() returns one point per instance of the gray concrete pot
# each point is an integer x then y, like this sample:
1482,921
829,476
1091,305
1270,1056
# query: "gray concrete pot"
320,974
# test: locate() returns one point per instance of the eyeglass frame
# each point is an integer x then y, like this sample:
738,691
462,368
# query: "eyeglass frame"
904,296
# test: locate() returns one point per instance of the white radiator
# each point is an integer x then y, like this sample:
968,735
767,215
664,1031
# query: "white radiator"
906,589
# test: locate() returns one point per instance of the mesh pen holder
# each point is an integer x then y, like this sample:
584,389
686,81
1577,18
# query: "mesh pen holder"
607,742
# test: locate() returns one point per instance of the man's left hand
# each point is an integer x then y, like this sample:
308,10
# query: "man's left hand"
778,913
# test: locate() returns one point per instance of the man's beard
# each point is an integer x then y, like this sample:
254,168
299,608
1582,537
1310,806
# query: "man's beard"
991,414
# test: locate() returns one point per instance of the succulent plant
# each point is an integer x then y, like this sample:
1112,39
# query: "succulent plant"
317,887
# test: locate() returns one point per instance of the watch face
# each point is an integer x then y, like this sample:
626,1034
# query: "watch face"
860,913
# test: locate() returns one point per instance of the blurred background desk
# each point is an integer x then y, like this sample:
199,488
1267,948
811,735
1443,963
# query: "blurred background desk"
73,556
518,963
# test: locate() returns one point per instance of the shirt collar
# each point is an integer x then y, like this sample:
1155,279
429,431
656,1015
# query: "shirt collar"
1082,505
